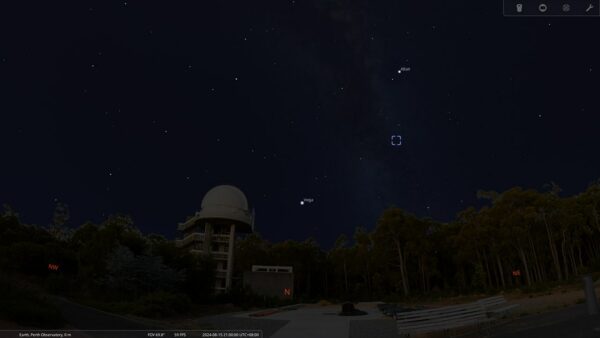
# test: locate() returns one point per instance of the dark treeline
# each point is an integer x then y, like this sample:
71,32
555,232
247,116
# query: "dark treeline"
548,238
111,265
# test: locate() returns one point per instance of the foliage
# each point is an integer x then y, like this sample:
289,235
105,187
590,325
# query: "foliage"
519,239
26,306
128,274
162,304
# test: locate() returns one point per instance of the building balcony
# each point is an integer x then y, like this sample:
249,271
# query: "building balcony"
220,238
196,237
190,222
219,255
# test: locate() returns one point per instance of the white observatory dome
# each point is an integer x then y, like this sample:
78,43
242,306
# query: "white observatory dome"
226,202
225,195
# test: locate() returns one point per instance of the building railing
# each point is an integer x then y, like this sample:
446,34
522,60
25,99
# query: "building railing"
189,239
219,254
220,238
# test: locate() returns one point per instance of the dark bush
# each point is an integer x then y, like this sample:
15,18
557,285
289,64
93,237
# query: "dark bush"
162,304
25,306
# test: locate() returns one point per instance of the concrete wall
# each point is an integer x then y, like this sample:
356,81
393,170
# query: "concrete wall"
270,284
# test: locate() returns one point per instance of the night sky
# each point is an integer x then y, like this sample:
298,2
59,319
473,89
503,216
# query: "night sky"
141,107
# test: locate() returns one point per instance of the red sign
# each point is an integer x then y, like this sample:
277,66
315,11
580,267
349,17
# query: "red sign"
516,273
287,292
53,267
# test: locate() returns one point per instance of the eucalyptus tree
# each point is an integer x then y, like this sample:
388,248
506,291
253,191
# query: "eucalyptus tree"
395,229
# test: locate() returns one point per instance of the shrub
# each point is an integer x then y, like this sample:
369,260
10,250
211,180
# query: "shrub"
25,306
162,304
58,284
36,313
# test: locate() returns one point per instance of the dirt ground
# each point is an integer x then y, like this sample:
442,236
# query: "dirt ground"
529,303
556,299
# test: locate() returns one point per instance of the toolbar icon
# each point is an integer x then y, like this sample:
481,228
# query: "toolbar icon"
519,8
543,8
590,7
566,8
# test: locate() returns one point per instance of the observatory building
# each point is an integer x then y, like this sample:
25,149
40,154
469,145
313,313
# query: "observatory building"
271,281
212,231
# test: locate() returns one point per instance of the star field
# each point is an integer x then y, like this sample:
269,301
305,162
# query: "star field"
141,108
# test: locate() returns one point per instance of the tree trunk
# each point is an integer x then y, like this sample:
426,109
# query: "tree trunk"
564,254
308,283
402,268
369,286
480,260
345,274
501,271
496,278
524,260
579,254
552,248
572,257
541,277
596,218
487,268
422,268
590,251
326,284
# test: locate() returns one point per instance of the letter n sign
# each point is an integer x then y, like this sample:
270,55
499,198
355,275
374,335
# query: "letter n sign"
287,291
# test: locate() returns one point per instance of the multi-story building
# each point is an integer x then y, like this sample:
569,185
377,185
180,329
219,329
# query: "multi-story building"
212,231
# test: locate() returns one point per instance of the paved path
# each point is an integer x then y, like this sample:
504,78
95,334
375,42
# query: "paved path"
323,322
317,322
